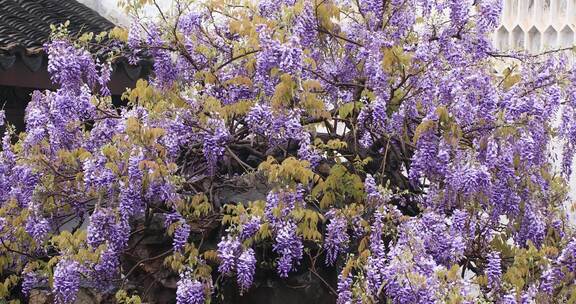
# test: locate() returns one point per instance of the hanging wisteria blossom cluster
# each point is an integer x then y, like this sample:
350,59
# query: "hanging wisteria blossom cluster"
403,158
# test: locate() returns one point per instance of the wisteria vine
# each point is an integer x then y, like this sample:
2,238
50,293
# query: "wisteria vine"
398,150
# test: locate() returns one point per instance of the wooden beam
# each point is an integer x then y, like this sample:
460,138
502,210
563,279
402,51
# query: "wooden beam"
18,75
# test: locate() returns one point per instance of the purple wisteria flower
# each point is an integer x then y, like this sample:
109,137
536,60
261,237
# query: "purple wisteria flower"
100,227
229,248
214,143
289,247
245,269
344,289
181,234
494,270
250,228
380,133
260,119
32,280
372,192
189,290
66,281
337,238
376,262
37,226
131,201
106,269
68,65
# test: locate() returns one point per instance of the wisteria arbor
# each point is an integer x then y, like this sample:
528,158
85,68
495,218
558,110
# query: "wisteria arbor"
366,145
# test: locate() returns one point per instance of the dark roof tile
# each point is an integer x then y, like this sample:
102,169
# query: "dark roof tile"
26,23
25,27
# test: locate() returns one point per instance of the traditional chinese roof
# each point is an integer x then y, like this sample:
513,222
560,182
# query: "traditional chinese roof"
26,23
25,27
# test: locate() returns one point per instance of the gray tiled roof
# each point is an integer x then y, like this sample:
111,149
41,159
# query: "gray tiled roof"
26,23
25,27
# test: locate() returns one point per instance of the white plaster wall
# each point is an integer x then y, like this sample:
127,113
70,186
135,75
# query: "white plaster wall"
108,9
536,25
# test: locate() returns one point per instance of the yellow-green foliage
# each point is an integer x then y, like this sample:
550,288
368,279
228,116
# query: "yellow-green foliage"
340,186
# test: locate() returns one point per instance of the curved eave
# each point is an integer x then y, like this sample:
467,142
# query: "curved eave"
27,67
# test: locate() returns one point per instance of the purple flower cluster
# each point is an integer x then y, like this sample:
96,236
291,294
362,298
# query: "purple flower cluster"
260,119
445,245
373,120
164,67
106,269
285,56
337,239
468,180
33,280
189,290
29,281
290,248
405,270
101,225
459,11
134,42
279,129
103,228
131,201
407,85
374,9
305,26
250,228
405,260
23,183
376,262
214,144
565,263
181,234
373,194
494,270
270,8
233,258
430,160
287,244
282,202
228,250
533,229
246,268
344,289
69,66
490,11
66,281
190,22
38,227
